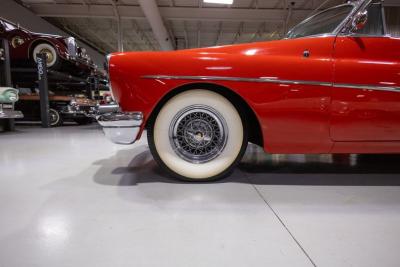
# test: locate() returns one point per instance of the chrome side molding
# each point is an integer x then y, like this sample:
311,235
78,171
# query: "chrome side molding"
277,81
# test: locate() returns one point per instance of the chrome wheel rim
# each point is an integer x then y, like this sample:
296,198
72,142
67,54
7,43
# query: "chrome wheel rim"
198,133
53,117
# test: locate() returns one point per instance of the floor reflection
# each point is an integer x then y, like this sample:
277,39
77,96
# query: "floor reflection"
258,167
256,160
325,169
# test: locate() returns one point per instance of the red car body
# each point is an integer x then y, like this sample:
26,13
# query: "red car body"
334,93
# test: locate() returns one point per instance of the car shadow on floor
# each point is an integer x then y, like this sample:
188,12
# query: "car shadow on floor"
260,168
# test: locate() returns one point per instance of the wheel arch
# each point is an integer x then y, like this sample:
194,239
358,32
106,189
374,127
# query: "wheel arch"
253,125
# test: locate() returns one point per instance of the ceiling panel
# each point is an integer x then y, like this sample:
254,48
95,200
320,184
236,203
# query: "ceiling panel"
191,23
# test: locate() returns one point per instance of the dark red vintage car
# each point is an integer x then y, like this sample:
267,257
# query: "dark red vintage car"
62,52
331,86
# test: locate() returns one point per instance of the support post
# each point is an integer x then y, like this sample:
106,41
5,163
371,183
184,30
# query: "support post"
90,87
120,35
43,90
6,70
96,89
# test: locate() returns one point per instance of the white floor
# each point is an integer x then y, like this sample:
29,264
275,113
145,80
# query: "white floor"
68,197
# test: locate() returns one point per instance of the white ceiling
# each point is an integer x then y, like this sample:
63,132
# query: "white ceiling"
190,23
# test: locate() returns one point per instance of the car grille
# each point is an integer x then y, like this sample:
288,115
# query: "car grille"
72,48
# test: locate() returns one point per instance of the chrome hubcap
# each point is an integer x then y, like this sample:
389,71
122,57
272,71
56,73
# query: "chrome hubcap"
49,55
53,117
198,134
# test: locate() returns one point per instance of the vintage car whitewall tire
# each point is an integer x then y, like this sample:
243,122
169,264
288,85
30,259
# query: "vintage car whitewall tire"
49,50
198,135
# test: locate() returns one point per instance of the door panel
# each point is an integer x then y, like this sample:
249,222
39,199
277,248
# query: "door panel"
365,99
295,117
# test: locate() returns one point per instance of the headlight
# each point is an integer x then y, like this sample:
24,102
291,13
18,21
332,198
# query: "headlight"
9,96
17,41
73,102
71,45
13,97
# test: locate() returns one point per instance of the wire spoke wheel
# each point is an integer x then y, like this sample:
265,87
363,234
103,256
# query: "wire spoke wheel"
198,134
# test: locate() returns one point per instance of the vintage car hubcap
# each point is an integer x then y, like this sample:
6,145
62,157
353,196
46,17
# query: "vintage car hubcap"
198,133
53,117
49,55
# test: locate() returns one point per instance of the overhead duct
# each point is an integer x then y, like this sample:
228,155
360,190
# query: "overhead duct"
152,13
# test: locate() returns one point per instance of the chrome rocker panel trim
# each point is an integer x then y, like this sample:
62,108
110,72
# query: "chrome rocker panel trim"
277,81
121,127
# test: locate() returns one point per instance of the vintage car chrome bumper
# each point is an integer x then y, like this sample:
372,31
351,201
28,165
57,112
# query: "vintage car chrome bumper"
10,114
121,127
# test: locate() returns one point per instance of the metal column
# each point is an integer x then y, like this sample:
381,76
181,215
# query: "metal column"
7,69
43,89
6,80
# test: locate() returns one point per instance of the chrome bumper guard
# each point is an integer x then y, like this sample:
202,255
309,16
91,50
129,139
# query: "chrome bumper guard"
121,127
111,108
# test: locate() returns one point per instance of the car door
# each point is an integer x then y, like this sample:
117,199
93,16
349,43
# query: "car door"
366,95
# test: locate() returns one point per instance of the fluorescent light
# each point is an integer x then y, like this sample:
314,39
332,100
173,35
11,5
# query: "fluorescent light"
224,2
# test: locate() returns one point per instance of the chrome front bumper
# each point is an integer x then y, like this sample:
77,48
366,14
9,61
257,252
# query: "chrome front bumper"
121,127
10,114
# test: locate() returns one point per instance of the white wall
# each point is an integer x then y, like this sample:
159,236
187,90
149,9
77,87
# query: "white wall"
18,14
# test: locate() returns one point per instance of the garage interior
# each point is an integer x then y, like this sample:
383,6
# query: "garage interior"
69,197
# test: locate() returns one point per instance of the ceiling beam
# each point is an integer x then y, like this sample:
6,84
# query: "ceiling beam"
168,13
152,13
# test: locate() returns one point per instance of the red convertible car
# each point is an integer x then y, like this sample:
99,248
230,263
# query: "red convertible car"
331,86
62,52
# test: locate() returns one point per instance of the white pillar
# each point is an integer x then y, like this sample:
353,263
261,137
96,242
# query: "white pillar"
152,13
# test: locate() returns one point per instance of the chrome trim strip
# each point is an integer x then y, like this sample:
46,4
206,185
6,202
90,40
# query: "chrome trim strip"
368,87
269,80
235,79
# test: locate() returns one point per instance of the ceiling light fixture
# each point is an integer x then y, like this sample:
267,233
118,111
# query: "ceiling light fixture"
224,2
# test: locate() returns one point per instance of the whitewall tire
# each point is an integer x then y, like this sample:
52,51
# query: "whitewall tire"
49,50
198,135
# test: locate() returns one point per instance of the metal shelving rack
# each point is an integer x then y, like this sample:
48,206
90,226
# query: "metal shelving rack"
43,78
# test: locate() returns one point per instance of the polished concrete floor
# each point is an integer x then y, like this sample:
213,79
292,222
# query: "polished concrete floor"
68,197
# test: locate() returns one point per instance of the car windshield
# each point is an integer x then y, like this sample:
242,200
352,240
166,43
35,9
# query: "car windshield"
323,23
